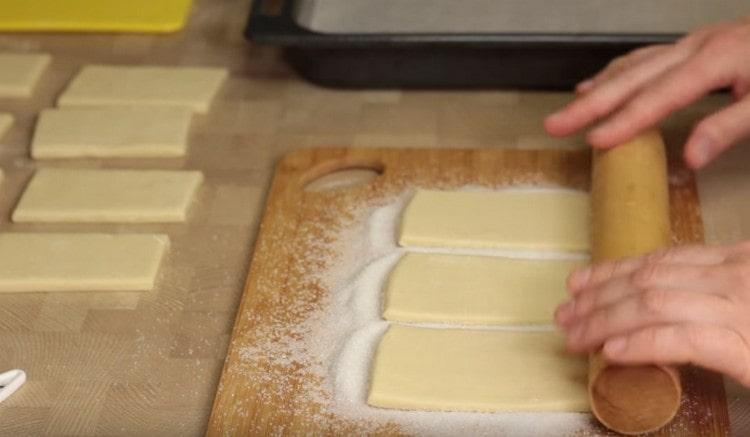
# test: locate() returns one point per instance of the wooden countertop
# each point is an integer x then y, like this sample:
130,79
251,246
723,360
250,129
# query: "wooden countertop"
148,363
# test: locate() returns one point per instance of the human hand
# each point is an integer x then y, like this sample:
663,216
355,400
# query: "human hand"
637,90
683,305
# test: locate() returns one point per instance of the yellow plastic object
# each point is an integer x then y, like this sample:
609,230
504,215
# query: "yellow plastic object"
94,15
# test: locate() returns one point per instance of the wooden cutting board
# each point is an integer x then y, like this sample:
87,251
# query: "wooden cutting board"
250,401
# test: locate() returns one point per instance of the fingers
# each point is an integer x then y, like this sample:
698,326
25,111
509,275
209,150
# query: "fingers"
650,276
702,278
591,276
652,307
624,79
608,91
614,85
675,89
640,89
585,302
621,64
706,345
718,132
712,66
694,268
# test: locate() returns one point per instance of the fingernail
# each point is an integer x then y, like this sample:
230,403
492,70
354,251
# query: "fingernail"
579,278
552,118
584,85
701,152
565,312
615,346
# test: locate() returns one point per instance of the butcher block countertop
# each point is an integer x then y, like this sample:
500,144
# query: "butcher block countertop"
149,363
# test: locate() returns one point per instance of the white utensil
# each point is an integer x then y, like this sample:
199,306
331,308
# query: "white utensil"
11,381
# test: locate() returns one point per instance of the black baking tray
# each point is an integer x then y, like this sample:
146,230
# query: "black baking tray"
429,58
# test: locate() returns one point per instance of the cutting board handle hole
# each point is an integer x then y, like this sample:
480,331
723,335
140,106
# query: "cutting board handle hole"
342,174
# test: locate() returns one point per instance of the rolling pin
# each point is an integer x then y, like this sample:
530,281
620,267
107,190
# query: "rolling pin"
630,217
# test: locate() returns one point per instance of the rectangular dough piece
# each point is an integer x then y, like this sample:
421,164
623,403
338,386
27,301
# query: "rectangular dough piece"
475,289
122,85
6,121
108,196
112,132
473,370
20,72
518,219
79,262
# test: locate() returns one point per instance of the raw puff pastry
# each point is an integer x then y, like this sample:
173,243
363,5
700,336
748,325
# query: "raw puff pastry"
20,72
518,219
107,196
463,289
111,132
79,262
128,85
476,370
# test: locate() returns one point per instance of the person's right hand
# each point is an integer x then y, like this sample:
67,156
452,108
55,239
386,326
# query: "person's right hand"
682,305
640,89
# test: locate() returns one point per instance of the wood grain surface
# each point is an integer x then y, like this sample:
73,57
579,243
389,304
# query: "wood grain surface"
148,363
249,401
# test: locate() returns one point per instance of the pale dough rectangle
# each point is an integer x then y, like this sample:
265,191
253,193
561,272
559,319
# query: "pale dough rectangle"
118,85
79,262
114,196
518,219
476,370
6,121
466,289
111,132
20,72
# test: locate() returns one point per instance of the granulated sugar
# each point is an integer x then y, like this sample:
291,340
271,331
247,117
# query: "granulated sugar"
327,357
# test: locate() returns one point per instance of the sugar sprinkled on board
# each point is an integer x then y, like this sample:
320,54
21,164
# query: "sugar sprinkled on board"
324,359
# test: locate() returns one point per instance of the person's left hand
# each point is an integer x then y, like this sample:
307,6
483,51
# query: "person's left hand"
640,89
682,305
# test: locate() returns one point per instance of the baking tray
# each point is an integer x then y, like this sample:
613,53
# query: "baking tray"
548,44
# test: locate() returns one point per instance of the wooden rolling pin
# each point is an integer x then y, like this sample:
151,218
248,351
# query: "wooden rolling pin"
630,214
